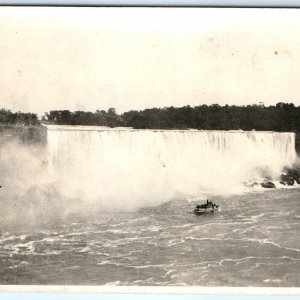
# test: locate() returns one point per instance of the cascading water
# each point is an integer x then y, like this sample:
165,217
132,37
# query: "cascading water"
134,168
79,209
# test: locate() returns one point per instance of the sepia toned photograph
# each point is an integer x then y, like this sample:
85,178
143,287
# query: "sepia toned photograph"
149,147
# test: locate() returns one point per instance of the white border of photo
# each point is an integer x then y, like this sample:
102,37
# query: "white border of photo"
26,292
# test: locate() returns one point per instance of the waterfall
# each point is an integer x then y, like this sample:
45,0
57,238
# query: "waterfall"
133,168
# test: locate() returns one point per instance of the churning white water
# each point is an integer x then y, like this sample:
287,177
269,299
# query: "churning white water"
60,221
131,168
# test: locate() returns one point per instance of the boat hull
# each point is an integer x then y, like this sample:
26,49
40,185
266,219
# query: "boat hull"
200,212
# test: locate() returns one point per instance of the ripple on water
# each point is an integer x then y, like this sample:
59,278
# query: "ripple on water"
250,243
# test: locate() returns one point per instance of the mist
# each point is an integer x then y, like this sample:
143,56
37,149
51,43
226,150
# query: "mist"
29,196
94,170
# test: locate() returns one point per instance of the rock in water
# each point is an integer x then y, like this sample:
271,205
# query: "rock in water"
294,174
286,179
268,185
290,176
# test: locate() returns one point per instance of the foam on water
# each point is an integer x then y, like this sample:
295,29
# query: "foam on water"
251,243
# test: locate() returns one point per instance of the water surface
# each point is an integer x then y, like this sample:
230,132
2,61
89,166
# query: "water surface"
252,241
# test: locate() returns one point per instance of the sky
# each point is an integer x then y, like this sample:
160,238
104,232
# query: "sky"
81,58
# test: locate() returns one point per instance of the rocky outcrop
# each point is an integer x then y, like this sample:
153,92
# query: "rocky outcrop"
290,176
268,184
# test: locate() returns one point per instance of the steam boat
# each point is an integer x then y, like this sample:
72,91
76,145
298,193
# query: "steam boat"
207,208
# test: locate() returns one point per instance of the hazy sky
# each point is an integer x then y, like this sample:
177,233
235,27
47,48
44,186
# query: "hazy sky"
134,58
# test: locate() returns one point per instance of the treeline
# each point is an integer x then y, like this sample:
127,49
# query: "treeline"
281,117
99,118
20,119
